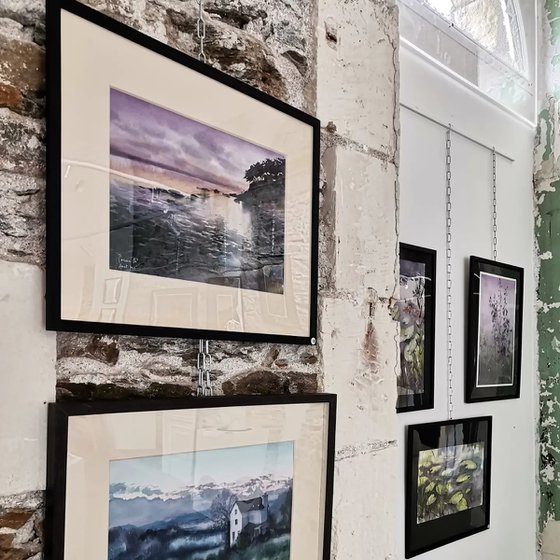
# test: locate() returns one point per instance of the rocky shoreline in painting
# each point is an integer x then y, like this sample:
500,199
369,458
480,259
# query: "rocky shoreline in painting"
191,202
188,237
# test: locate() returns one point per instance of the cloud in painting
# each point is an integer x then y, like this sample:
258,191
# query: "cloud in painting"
144,132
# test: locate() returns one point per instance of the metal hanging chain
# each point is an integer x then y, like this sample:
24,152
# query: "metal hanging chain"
203,360
201,33
494,209
448,272
204,365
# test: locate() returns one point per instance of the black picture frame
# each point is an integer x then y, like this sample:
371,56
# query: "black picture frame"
434,529
417,400
503,310
306,330
65,419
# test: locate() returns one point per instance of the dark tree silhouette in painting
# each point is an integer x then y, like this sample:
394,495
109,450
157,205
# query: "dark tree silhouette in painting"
221,507
266,182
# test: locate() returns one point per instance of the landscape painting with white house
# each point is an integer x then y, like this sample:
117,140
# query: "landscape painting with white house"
223,504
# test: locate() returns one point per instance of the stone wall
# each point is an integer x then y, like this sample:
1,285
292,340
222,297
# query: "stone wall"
335,59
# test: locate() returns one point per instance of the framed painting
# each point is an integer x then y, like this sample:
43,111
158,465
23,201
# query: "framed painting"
220,478
415,310
493,369
447,482
181,201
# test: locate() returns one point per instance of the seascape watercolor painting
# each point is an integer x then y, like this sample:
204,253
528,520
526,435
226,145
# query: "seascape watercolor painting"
222,504
191,202
450,480
411,314
496,328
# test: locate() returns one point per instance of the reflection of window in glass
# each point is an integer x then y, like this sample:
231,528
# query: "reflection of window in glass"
484,42
494,24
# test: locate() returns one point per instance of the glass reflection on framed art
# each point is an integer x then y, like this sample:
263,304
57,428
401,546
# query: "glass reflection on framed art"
415,311
493,369
221,478
181,201
447,482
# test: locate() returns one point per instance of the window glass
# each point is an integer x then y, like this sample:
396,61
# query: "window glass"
486,42
494,24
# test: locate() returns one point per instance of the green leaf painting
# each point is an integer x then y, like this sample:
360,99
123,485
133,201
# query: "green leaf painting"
409,310
450,480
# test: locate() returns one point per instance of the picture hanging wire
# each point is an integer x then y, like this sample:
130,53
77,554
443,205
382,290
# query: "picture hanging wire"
494,209
448,272
457,132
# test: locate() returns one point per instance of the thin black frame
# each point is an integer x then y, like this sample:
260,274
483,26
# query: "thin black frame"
415,541
472,392
423,401
54,320
59,413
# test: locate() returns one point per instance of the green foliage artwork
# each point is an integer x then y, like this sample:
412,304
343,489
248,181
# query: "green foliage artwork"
450,480
410,310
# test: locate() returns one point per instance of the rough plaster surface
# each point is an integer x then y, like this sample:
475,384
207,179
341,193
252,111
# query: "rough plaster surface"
335,59
356,95
547,211
27,378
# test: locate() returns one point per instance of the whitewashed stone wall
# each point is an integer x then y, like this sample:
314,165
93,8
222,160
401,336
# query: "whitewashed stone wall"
336,59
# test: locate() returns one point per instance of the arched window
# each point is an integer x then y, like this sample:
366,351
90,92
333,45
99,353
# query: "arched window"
485,42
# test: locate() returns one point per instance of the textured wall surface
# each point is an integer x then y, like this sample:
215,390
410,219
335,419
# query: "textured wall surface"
547,200
337,60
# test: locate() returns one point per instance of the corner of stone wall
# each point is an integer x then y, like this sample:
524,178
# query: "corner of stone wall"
321,56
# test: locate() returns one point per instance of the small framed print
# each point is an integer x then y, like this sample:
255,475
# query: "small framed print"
447,482
493,369
181,202
220,478
415,310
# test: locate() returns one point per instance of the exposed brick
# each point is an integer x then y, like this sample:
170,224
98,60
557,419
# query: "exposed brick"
22,148
22,64
15,519
25,12
6,540
22,76
239,54
22,218
68,390
271,383
20,522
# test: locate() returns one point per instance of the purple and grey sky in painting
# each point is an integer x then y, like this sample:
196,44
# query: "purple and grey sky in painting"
151,134
491,286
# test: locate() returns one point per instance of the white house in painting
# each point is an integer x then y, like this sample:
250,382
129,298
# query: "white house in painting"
249,517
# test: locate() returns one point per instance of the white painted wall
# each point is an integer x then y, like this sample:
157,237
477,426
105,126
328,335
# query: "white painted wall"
513,516
27,378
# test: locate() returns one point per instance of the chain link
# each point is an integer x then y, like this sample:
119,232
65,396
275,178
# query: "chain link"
204,359
201,33
448,272
204,365
494,209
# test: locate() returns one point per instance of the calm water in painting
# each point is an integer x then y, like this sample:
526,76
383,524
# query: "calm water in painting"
192,202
